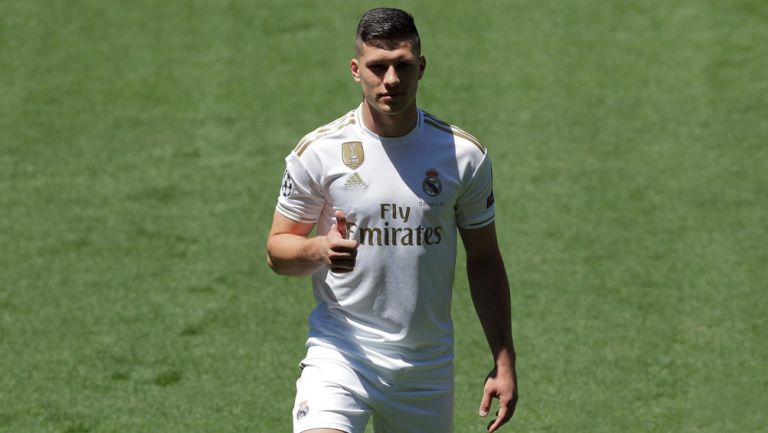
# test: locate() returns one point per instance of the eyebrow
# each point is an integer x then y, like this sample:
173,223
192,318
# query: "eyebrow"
374,62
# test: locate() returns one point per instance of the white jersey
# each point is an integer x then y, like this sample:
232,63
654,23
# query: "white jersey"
404,198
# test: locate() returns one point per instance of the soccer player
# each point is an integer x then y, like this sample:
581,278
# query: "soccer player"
388,187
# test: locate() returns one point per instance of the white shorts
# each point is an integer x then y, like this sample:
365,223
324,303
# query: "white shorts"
331,394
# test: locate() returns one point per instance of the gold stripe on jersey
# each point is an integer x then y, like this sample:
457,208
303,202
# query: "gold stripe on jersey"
348,119
324,130
434,119
439,126
454,130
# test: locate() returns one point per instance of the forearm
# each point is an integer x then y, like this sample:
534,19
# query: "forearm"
294,255
490,294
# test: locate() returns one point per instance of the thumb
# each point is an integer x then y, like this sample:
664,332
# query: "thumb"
341,223
485,403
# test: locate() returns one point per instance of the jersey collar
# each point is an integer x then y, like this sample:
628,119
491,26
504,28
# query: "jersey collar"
392,140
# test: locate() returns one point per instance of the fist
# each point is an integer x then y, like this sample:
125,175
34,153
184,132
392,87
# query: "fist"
342,252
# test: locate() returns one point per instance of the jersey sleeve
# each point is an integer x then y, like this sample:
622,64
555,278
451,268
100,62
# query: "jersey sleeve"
475,206
301,198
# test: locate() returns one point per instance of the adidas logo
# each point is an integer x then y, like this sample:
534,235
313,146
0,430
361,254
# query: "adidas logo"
355,181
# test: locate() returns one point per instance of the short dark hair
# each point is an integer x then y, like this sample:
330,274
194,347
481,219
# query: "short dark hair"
387,28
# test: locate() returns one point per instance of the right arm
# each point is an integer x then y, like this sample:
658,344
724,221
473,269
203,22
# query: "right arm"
290,250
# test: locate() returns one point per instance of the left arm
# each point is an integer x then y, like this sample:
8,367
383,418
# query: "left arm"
490,294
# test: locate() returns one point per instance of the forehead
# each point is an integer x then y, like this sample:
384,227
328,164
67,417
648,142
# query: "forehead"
370,53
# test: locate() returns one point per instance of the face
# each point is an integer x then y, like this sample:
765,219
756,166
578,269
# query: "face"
389,78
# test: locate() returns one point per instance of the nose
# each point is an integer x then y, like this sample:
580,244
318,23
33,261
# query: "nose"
391,79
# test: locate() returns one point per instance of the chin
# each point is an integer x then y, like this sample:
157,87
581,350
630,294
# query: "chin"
391,109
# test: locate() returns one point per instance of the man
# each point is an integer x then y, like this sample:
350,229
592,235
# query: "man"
387,186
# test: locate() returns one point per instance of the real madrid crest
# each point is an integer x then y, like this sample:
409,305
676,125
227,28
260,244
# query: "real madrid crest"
432,185
352,154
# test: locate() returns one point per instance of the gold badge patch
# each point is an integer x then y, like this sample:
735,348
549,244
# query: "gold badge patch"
352,154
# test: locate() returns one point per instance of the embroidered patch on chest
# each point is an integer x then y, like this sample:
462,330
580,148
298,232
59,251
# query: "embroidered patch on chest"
432,184
352,154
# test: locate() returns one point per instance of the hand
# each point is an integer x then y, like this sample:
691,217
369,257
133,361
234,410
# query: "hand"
504,387
341,253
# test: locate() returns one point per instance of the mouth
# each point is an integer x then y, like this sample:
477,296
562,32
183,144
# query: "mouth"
390,96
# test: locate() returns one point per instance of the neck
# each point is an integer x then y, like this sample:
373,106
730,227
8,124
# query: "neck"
390,125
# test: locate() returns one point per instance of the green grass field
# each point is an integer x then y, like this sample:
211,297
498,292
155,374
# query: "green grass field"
141,148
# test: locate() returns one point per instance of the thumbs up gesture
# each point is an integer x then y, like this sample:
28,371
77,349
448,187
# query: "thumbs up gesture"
342,252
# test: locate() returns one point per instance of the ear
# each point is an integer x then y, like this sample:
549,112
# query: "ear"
422,66
354,67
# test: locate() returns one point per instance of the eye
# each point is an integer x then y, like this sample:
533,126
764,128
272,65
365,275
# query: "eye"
405,67
378,68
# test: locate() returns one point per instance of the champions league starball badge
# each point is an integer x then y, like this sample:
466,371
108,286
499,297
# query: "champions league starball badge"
302,411
432,185
286,188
